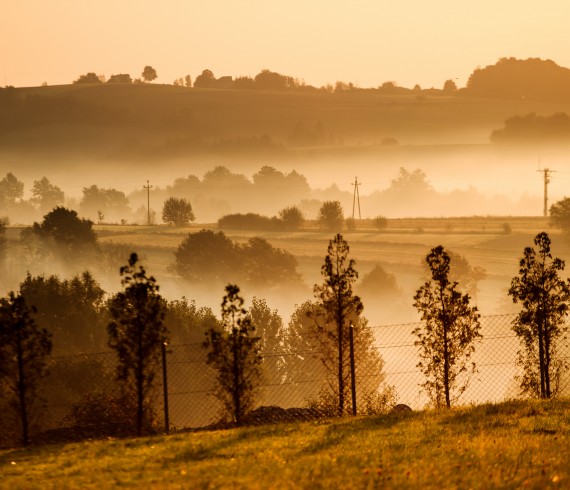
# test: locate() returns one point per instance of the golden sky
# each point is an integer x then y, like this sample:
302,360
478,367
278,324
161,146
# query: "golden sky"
364,41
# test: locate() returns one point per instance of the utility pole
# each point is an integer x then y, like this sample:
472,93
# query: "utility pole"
546,173
356,196
148,187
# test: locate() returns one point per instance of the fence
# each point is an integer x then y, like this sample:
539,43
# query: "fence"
292,378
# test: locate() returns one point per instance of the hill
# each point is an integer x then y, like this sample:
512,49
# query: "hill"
511,445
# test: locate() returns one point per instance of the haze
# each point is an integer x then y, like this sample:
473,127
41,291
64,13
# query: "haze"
365,42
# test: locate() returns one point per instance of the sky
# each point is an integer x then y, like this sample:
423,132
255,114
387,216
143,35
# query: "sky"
366,42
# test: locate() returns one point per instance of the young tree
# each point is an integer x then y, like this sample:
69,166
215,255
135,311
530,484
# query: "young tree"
291,217
446,340
544,298
24,348
177,212
338,306
331,216
149,74
235,354
137,332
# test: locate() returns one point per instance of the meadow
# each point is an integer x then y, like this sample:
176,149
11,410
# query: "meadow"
524,444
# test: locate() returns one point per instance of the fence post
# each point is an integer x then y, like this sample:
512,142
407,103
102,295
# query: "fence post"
165,389
352,368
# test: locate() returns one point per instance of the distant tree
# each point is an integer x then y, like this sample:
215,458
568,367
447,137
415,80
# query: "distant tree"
269,80
331,216
137,333
205,256
291,218
449,87
177,212
110,202
46,195
560,214
235,354
149,74
186,323
11,190
24,348
340,305
88,78
446,338
262,264
533,129
381,222
71,309
120,78
62,233
188,81
205,79
540,326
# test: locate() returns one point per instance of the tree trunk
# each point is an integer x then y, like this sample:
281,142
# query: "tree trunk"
541,361
22,392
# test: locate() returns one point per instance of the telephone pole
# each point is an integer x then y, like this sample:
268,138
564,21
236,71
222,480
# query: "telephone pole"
356,196
546,172
148,187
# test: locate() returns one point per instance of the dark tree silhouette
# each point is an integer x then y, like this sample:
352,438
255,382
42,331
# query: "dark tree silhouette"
88,78
177,212
331,216
120,78
205,79
340,307
73,310
446,339
560,214
24,348
149,74
544,298
137,333
234,353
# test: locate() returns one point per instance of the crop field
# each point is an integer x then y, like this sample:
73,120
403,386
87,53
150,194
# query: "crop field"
509,445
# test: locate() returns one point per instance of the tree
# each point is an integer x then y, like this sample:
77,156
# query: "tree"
88,78
149,74
234,353
291,217
71,309
446,339
24,348
137,333
120,78
177,212
188,81
331,216
62,233
262,264
11,190
110,202
339,305
540,325
205,256
560,214
46,195
449,87
205,80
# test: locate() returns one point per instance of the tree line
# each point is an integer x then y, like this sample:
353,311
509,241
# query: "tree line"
139,323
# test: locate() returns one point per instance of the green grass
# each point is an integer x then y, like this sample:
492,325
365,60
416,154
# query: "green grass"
511,445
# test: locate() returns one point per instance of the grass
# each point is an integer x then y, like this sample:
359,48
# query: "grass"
510,445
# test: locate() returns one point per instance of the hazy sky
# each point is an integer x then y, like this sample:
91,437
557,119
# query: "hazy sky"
366,42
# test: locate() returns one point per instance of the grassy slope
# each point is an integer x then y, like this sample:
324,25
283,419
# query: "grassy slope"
511,445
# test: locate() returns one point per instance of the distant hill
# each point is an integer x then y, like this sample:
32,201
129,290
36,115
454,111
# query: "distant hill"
139,122
511,78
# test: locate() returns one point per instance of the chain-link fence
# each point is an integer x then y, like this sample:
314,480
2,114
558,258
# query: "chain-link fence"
295,381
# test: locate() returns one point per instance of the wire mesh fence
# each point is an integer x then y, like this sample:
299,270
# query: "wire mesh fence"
294,380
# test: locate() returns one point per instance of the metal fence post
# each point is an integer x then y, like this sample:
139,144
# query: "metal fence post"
352,368
165,389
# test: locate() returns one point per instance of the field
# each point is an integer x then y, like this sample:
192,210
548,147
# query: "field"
510,445
400,248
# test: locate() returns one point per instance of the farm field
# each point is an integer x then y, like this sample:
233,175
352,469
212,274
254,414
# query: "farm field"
508,445
400,248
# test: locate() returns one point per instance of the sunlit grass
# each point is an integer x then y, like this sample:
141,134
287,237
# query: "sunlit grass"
512,445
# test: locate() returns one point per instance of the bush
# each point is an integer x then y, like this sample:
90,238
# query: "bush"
249,221
105,414
381,222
